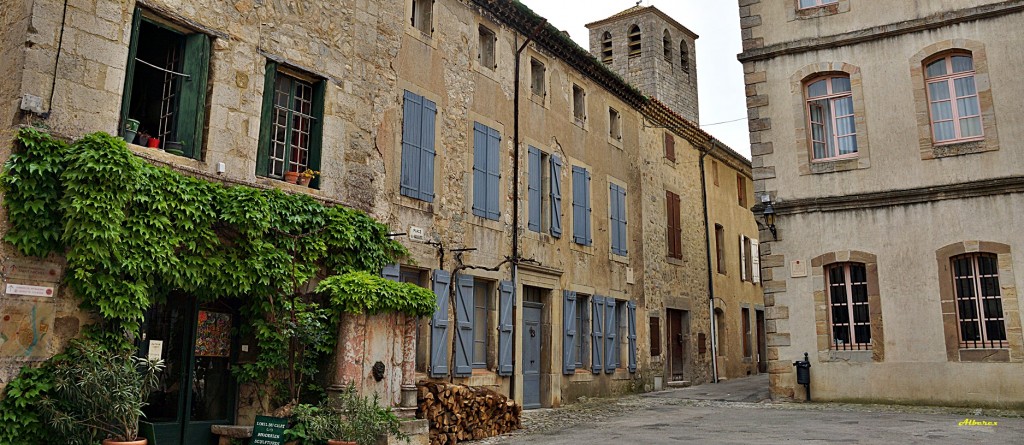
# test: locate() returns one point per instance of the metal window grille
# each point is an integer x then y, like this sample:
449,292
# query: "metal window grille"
979,305
850,319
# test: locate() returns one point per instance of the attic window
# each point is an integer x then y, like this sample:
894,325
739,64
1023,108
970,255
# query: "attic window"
487,40
579,105
666,43
634,41
606,48
422,16
537,77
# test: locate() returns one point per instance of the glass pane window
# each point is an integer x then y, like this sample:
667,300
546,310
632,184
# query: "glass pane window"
953,99
831,118
481,293
849,312
815,3
291,126
979,304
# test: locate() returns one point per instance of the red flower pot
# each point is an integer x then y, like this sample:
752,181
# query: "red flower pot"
153,143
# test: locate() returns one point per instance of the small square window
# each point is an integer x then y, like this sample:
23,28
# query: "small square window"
537,75
741,190
487,41
579,103
422,16
806,4
614,124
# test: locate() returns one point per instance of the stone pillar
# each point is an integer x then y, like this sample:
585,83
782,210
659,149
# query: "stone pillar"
350,351
409,362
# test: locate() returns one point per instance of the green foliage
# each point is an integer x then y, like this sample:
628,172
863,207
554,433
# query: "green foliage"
98,395
32,192
20,420
351,417
365,293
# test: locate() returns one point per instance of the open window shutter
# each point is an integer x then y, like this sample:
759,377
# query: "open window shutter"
597,333
670,147
586,201
556,196
755,260
610,337
743,261
129,73
192,108
579,208
464,325
631,307
391,272
569,330
506,306
266,119
411,141
493,174
316,134
439,326
427,152
533,186
479,169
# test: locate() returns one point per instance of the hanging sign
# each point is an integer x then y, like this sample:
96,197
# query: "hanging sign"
32,291
268,431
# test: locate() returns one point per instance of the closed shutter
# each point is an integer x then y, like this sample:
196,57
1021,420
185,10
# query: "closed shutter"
755,260
479,169
533,186
129,72
192,108
569,329
586,201
493,174
316,134
391,272
610,336
618,210
597,333
428,152
411,143
556,196
613,211
439,326
263,153
743,260
675,245
464,325
506,307
579,209
631,307
670,147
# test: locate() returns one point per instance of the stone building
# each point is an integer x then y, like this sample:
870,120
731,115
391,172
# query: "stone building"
885,140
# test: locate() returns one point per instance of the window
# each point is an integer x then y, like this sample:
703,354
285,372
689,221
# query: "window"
741,190
581,206
746,263
582,330
165,86
537,77
849,317
634,41
486,171
979,305
487,41
481,322
614,125
745,314
617,213
422,16
720,247
804,4
421,279
953,99
579,103
544,184
606,48
831,118
670,147
291,127
675,231
417,180
666,45
684,56
714,172
622,328
655,328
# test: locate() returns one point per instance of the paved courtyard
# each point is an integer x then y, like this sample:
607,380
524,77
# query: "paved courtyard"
737,412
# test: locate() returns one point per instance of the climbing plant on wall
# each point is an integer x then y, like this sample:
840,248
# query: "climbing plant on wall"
131,230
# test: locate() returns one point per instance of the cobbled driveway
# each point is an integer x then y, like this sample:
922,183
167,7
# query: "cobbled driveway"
696,416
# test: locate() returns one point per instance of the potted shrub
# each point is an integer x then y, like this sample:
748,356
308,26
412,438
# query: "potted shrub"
291,177
351,420
306,176
99,394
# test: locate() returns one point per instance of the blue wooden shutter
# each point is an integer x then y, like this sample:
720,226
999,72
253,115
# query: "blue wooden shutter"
556,196
533,186
569,327
411,141
439,326
631,306
623,221
610,337
579,208
586,202
493,174
506,307
428,152
391,272
597,333
479,169
464,325
613,215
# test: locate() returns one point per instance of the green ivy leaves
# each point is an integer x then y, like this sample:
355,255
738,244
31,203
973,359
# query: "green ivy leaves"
365,293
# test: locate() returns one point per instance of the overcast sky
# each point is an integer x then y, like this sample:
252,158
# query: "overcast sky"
719,74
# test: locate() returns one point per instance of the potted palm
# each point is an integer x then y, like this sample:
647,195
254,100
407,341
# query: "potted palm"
99,394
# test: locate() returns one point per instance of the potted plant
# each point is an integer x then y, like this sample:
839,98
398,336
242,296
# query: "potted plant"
143,137
153,142
98,394
291,177
131,128
350,420
306,176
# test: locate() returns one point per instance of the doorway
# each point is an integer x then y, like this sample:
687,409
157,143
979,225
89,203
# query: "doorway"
678,340
532,335
197,343
762,344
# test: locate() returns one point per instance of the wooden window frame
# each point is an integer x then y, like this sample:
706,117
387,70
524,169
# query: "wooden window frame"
486,54
817,4
424,22
579,104
741,190
978,300
745,328
857,343
607,51
635,41
831,143
674,225
269,123
538,77
720,248
950,79
481,326
670,147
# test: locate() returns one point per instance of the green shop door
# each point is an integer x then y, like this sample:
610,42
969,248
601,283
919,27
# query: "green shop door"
196,388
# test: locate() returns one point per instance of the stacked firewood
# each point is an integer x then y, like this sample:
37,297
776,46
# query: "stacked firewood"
458,412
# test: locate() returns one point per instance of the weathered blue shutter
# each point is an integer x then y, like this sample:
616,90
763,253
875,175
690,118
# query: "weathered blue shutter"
556,196
631,306
427,152
623,222
411,141
533,185
586,202
613,215
479,169
579,207
391,272
439,326
464,325
597,333
506,307
610,337
569,332
493,174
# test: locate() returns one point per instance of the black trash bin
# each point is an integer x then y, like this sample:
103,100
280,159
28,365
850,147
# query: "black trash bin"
803,374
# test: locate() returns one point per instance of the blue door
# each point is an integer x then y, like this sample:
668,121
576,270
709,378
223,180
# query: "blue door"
531,354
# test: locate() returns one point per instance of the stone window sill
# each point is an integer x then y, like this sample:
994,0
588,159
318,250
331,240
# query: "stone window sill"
838,165
960,148
985,355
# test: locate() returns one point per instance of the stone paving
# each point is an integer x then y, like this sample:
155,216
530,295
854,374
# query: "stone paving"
737,412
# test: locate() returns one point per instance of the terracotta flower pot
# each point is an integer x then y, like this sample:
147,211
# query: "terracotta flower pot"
304,180
339,442
121,442
291,177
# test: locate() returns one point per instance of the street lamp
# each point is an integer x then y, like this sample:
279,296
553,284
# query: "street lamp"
769,217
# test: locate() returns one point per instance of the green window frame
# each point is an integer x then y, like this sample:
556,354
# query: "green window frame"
291,125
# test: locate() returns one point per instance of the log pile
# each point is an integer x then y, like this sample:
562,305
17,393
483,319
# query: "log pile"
458,412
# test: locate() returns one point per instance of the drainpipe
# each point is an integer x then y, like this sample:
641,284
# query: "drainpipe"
711,281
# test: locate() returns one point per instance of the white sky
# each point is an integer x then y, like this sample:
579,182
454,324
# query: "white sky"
719,74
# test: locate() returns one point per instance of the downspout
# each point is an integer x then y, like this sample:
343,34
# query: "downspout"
707,250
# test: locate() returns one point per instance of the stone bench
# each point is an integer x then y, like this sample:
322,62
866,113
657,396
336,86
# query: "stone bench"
228,432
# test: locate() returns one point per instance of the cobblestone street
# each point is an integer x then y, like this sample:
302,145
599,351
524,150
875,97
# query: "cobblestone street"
724,414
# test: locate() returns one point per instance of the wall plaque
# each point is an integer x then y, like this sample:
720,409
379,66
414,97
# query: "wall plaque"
29,290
